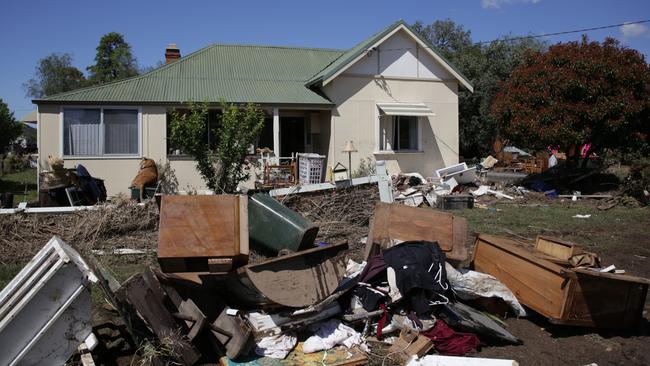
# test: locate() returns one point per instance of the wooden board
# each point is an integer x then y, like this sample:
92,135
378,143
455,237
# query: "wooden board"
396,221
557,248
144,295
604,300
203,233
408,344
536,283
564,295
337,356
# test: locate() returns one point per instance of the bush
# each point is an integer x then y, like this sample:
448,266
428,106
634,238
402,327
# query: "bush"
14,163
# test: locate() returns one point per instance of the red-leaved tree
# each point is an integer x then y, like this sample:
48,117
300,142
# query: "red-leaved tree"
577,93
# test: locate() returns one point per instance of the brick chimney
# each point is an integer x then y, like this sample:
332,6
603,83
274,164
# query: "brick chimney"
172,53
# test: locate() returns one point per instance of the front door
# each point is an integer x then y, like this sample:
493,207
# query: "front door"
292,135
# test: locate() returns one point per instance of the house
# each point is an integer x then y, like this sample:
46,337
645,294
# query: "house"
392,95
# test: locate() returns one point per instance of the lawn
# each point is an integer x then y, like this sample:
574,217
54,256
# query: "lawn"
21,184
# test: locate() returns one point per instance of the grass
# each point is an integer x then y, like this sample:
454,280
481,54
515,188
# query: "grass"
18,183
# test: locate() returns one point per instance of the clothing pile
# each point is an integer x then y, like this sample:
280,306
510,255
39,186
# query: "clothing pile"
408,282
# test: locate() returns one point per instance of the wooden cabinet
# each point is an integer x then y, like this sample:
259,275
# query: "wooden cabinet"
203,233
565,295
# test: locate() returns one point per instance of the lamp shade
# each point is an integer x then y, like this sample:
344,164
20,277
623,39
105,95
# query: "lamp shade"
349,147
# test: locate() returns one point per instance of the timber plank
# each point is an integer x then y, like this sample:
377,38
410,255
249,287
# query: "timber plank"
396,221
202,233
534,285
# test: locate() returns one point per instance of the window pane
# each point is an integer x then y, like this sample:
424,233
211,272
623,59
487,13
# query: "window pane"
266,136
81,132
120,131
405,134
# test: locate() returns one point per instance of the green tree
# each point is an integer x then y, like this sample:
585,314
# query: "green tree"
10,129
113,61
486,66
225,167
54,74
576,93
446,36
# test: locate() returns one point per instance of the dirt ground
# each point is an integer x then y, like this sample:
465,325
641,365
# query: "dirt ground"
619,235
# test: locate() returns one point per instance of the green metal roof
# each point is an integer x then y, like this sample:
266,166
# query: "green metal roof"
235,73
351,54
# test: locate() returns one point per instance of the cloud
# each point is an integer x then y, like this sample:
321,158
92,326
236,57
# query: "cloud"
496,4
633,30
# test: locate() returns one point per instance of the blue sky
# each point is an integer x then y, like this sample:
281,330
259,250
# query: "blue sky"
30,30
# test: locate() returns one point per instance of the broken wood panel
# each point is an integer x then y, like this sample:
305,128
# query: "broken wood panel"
395,221
556,248
195,230
299,279
145,295
603,301
539,287
409,344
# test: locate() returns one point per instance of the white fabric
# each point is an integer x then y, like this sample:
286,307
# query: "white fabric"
394,293
330,334
277,346
470,285
82,132
353,268
552,161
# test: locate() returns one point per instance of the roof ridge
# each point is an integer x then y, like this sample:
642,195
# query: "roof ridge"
283,47
136,77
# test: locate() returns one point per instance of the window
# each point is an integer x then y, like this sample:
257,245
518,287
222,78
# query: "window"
210,136
399,133
100,131
209,132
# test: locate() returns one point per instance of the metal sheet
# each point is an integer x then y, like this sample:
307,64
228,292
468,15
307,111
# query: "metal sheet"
45,310
405,109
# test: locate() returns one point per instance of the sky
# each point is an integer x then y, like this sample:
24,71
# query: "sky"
31,30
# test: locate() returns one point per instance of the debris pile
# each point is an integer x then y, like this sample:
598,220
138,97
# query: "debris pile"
109,227
406,296
69,187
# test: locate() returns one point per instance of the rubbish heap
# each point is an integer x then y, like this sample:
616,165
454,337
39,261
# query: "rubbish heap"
241,281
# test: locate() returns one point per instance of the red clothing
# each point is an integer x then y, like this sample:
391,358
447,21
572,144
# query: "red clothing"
449,342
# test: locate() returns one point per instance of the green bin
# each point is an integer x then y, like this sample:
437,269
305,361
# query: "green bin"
273,226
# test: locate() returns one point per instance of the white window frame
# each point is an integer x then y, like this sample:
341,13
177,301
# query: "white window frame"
101,108
378,136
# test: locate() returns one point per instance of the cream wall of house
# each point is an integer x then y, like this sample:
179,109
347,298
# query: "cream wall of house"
356,118
398,70
400,56
118,172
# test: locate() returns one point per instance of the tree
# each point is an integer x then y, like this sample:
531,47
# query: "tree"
577,93
485,66
113,61
54,74
222,168
10,129
446,36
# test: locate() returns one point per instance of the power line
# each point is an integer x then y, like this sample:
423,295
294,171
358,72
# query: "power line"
532,36
565,32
